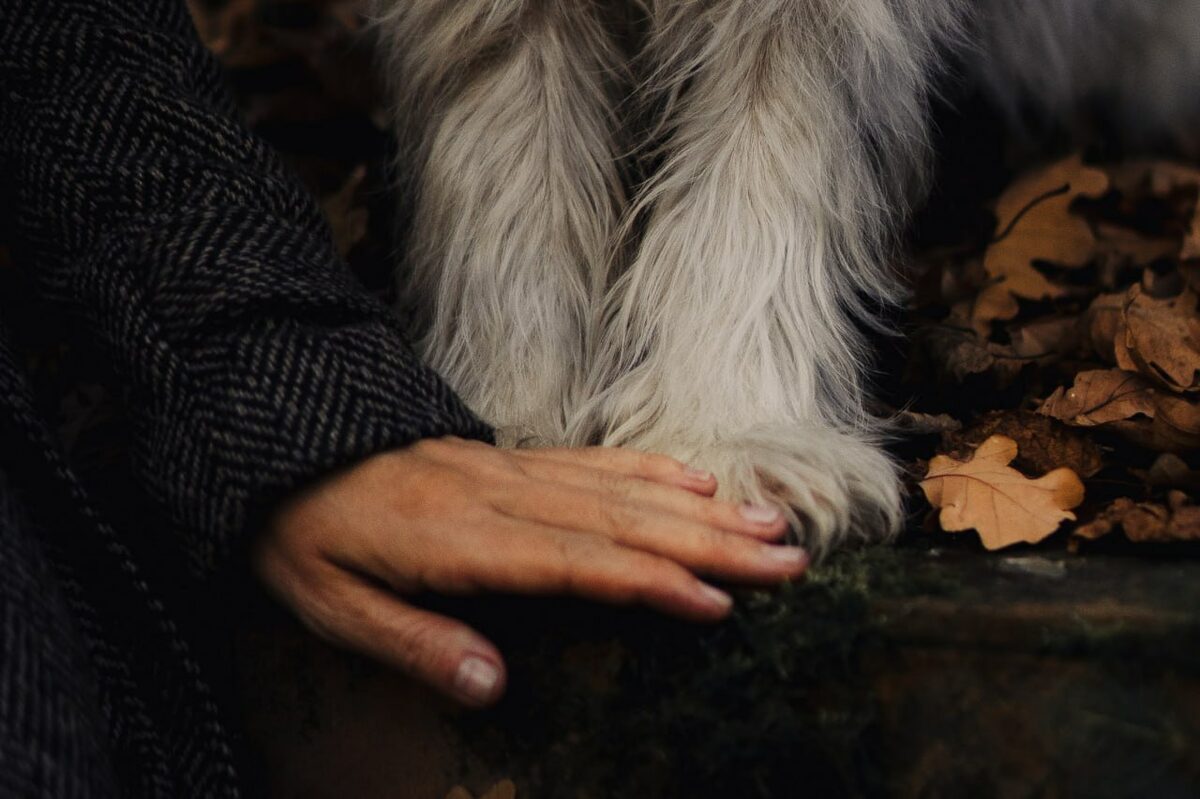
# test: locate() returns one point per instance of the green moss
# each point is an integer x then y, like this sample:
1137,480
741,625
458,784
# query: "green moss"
603,701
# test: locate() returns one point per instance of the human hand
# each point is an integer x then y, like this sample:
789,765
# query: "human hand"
461,517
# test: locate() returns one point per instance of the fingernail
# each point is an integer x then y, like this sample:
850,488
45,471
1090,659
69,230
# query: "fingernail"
699,475
716,597
759,514
791,557
476,679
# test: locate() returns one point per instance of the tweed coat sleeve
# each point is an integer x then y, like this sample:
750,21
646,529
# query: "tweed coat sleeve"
254,360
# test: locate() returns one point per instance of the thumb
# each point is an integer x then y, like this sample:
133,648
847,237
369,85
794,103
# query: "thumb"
439,651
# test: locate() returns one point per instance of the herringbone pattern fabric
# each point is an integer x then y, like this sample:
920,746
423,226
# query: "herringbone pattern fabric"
253,360
256,361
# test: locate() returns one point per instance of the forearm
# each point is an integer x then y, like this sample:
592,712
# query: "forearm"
254,359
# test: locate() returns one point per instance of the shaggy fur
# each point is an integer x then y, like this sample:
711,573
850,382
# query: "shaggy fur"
718,317
505,113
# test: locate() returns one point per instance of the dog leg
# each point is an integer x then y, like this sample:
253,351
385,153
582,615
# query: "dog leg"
504,110
794,131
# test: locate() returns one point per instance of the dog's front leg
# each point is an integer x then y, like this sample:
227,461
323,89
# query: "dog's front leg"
504,111
794,131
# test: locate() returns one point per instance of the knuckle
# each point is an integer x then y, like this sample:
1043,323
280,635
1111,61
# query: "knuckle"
655,576
512,463
320,608
614,484
580,563
617,518
419,645
654,463
710,545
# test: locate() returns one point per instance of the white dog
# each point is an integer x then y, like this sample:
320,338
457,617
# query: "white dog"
667,234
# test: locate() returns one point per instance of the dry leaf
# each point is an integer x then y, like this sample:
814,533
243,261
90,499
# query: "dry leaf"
1177,422
1099,397
1160,338
1004,506
1161,178
1128,246
1170,471
958,352
1046,339
1034,223
1126,403
1100,324
1043,443
1191,242
1147,522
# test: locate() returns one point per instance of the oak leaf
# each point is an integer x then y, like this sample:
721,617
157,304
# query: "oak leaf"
987,495
957,352
1160,338
1101,396
1159,179
1046,339
1146,522
1043,443
1128,404
1127,246
1100,324
1163,180
1034,223
1191,241
1170,471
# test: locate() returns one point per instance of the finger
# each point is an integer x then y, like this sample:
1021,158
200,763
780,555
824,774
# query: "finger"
699,547
762,522
434,649
528,557
631,463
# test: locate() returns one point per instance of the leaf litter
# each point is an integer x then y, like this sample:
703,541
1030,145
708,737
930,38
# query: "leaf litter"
1063,350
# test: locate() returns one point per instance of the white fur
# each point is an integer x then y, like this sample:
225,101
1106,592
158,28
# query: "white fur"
789,144
731,340
507,130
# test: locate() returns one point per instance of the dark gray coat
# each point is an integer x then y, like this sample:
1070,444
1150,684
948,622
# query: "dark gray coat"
250,362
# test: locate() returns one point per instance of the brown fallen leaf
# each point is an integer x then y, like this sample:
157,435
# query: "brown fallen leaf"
1047,339
1128,404
1129,247
1191,241
1152,178
1160,178
1170,471
1043,444
957,352
1101,396
1005,507
1146,522
1100,324
1034,223
1160,338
